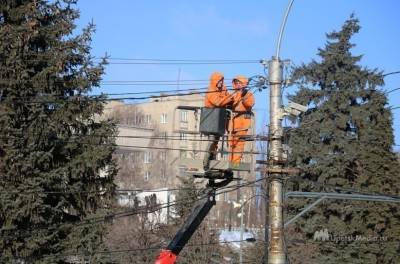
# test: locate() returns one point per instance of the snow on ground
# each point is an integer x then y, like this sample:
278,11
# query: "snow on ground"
234,235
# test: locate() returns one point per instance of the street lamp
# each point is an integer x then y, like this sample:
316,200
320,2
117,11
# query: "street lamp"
241,206
276,252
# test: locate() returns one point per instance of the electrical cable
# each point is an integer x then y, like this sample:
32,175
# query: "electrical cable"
338,188
120,251
127,213
151,147
391,73
110,60
134,191
390,91
161,138
102,98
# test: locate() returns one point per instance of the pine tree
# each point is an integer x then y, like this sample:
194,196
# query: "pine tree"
345,140
56,167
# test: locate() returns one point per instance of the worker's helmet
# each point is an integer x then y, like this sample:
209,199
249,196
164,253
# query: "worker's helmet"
242,79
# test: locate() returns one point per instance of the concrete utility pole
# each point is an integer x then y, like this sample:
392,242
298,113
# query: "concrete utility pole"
276,250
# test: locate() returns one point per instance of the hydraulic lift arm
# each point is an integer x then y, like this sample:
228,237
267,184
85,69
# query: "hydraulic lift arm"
204,205
200,211
196,217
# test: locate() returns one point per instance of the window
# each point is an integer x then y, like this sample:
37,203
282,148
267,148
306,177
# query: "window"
226,197
163,173
182,154
147,157
163,118
184,116
146,175
138,119
147,119
136,157
184,119
163,156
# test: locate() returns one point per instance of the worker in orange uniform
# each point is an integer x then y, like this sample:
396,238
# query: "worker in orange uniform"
217,93
243,102
217,97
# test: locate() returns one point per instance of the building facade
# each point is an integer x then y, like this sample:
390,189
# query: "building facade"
152,138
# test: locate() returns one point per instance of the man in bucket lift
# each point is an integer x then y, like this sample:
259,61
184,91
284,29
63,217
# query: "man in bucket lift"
243,102
217,97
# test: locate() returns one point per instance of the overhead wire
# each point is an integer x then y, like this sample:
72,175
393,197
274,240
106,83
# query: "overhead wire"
102,98
180,62
154,147
136,191
177,92
391,73
124,214
135,211
120,251
163,138
151,138
338,188
139,61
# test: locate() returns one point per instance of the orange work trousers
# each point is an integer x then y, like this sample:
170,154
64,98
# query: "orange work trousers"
239,127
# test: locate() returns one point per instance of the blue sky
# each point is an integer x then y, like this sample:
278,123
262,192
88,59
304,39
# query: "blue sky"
234,29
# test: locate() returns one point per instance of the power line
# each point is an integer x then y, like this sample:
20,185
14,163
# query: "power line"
164,91
152,84
179,60
161,138
46,56
102,98
391,73
182,63
123,82
161,81
169,62
180,149
135,191
395,89
105,82
338,188
135,211
108,252
152,147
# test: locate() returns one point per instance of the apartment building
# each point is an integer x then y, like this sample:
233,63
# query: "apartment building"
154,135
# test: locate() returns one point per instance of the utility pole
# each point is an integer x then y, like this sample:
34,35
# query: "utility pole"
276,251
